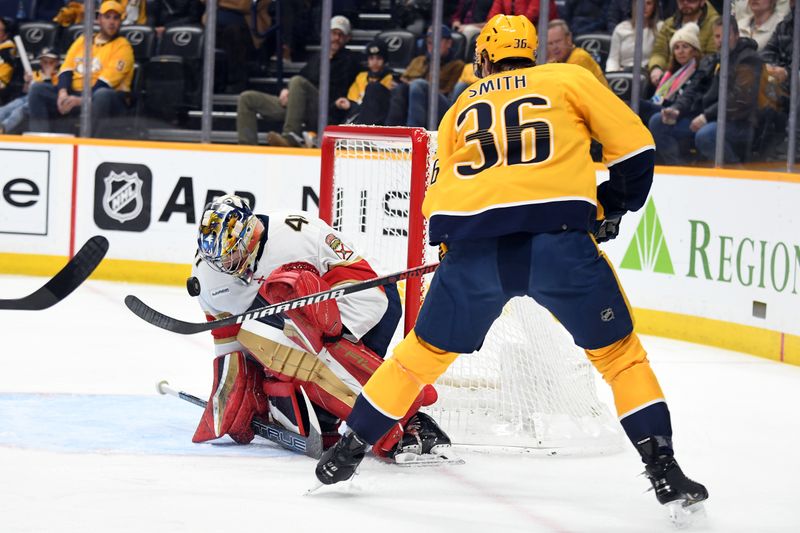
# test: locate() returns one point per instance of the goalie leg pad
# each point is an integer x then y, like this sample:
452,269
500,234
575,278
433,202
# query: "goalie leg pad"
236,397
320,322
283,405
625,367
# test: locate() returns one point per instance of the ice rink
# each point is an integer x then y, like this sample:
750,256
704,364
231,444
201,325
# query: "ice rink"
86,444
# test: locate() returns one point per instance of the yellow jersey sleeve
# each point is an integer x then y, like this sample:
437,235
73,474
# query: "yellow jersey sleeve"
75,50
357,88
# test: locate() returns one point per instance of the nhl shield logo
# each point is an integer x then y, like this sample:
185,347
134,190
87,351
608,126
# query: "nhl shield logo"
122,196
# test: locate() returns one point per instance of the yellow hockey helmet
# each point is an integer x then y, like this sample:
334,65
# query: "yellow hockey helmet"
506,36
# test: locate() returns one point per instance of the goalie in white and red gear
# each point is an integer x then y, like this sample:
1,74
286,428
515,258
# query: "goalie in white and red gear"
245,261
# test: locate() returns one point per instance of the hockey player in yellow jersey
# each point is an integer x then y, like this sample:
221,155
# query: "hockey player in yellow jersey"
513,201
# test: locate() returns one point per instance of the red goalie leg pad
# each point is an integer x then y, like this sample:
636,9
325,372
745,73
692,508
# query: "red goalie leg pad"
317,322
236,397
357,361
283,405
385,444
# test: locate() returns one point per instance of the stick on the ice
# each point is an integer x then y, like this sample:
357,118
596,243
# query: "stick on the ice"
310,446
148,314
67,280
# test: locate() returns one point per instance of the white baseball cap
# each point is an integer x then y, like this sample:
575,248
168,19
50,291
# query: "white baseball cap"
340,23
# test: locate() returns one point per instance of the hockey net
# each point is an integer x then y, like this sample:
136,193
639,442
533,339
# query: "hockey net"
529,387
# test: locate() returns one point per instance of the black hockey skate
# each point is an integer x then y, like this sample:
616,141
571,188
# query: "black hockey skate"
424,444
673,489
422,435
340,461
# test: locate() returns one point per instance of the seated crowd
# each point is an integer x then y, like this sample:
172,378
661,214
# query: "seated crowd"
680,61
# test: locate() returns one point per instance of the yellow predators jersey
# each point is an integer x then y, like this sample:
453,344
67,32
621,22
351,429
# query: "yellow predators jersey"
112,62
513,153
359,86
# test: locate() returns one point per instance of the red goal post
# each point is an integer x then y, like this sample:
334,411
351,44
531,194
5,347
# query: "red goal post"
381,139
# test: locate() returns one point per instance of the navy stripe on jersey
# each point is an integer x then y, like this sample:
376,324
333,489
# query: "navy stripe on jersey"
368,423
547,217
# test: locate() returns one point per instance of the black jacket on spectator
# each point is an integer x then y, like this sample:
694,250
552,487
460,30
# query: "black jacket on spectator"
778,52
701,96
175,12
586,16
344,69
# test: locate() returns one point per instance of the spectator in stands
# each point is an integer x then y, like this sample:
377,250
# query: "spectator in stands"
685,47
110,78
742,8
529,8
761,22
561,49
694,113
71,13
777,57
470,16
620,10
297,104
168,13
623,40
13,114
47,9
697,11
234,36
586,16
8,52
367,101
467,78
409,101
135,12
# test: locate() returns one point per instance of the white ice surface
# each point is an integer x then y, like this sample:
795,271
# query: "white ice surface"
86,444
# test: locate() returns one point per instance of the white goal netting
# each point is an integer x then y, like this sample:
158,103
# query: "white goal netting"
529,386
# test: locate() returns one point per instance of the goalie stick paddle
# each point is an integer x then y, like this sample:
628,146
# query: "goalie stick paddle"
65,281
310,446
148,314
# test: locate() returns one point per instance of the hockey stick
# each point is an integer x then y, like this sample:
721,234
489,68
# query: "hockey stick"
65,281
148,314
310,446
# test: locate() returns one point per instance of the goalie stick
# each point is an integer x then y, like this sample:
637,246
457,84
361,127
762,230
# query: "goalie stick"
65,281
148,314
310,446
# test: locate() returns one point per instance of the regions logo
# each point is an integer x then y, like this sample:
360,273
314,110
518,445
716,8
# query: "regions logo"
648,249
122,196
338,247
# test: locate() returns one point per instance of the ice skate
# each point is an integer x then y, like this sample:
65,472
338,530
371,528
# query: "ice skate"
340,461
424,443
681,496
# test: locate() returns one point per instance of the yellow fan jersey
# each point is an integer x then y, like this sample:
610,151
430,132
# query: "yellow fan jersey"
359,86
112,62
7,54
513,153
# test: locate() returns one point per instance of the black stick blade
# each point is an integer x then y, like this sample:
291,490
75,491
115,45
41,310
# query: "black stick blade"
66,280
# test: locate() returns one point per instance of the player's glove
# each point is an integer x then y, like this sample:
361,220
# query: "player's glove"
607,229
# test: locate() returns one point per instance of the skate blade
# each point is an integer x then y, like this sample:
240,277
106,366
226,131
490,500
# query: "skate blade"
428,459
314,489
684,516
